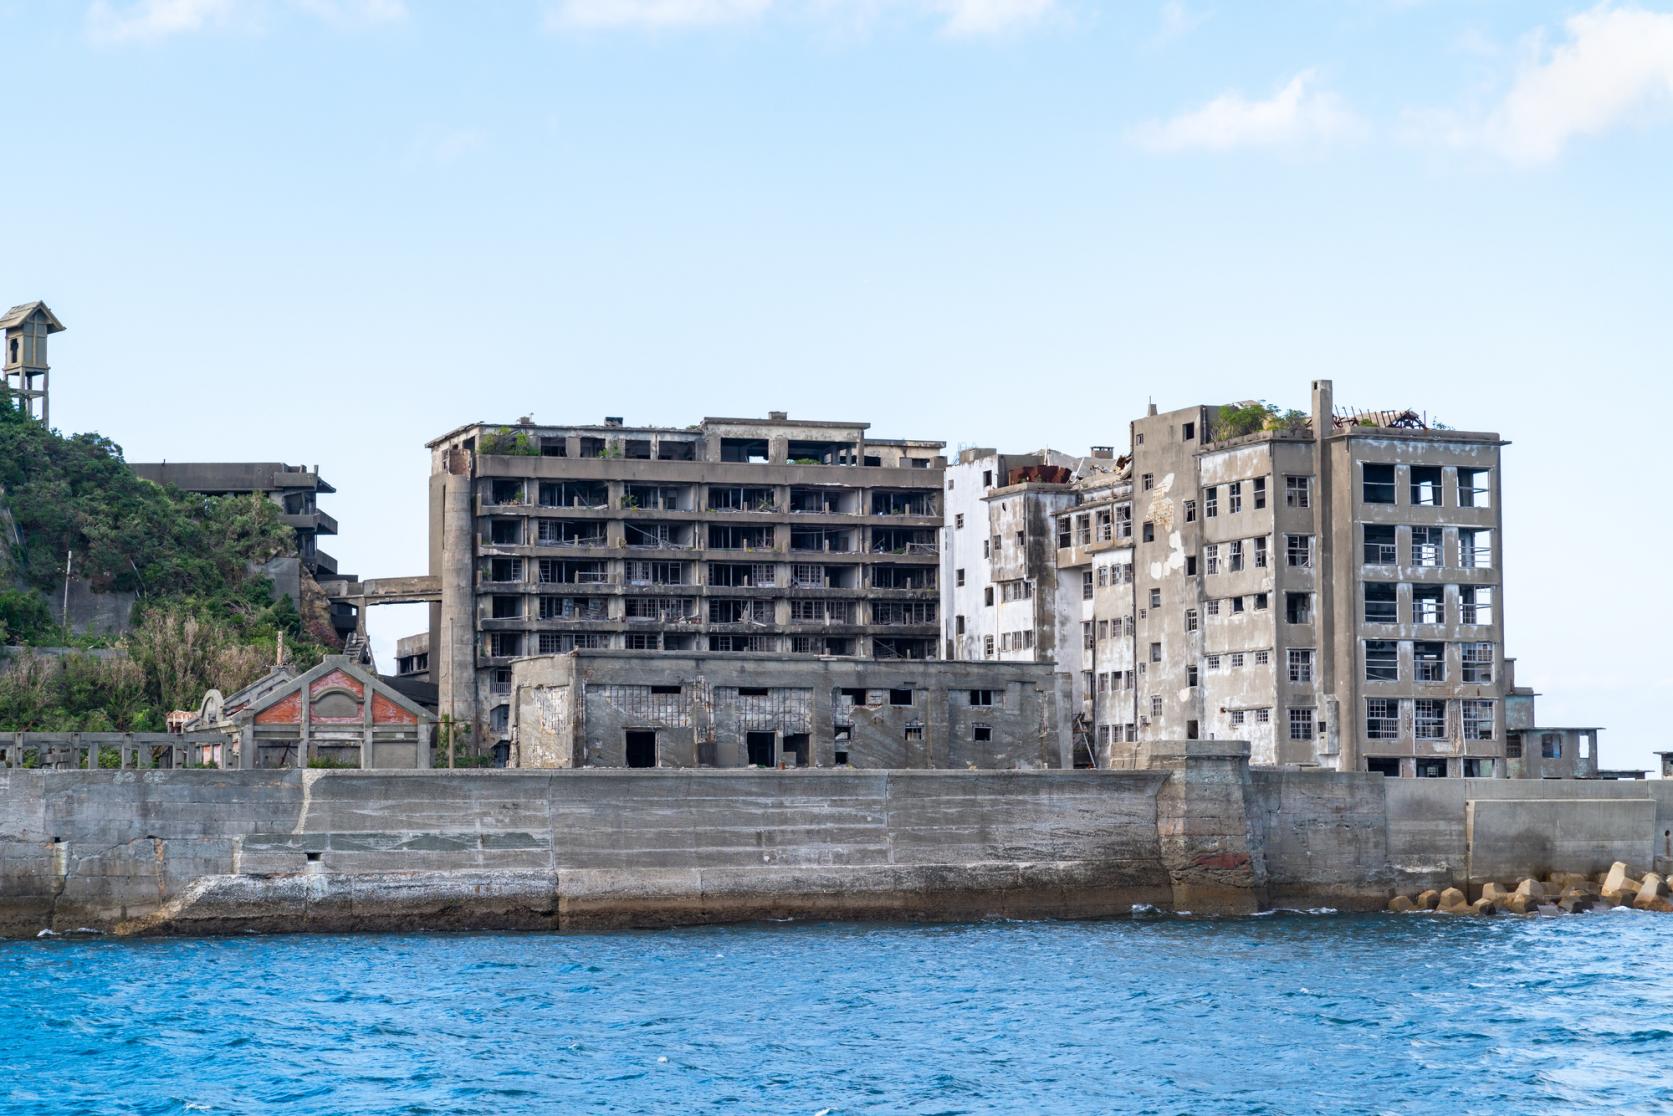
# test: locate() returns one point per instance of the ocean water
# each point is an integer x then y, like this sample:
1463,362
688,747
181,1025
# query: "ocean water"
1279,1014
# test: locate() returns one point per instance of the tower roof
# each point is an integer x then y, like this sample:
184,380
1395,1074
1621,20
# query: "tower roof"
18,314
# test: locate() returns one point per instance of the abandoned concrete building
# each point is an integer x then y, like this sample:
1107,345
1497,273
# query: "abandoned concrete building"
1324,585
660,709
766,536
27,375
294,488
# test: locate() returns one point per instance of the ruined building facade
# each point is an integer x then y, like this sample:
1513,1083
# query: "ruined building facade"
757,536
1327,587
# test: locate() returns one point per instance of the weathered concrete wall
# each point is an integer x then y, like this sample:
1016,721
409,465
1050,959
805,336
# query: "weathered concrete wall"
207,851
187,851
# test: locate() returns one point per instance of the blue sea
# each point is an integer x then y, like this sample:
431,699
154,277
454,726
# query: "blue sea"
1280,1014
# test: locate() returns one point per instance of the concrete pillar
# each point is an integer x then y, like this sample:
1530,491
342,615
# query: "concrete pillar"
1204,823
453,653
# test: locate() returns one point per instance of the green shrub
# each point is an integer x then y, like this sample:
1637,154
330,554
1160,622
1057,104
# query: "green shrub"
506,442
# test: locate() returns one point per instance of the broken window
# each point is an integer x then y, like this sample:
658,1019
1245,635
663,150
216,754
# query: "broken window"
505,608
1388,766
1377,483
1550,746
671,449
742,498
657,497
1430,768
554,447
1211,558
1234,498
640,572
1382,660
1477,715
1429,661
1086,634
657,536
758,644
900,697
575,494
1191,677
1260,493
1382,602
1190,511
1303,723
1210,502
1261,600
1429,719
591,446
981,732
914,730
890,540
1149,531
987,478
1019,590
505,532
505,569
1190,565
1382,718
1475,604
505,492
752,537
1190,619
1086,591
1298,550
570,532
505,644
1475,548
901,612
1476,662
1148,482
1234,556
1298,608
760,748
1380,545
1260,553
1426,486
1428,604
981,697
910,503
1187,431
987,595
1301,664
1298,492
828,540
1426,546
1474,489
744,449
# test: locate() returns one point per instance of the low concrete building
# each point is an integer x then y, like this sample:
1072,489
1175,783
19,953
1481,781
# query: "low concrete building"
646,709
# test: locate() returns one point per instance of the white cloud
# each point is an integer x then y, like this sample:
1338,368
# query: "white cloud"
140,20
653,14
444,145
1296,115
157,19
1177,21
957,17
1615,67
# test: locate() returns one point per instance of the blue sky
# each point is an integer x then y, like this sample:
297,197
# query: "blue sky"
325,231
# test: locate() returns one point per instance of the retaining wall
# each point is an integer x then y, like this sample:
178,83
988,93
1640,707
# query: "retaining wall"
208,851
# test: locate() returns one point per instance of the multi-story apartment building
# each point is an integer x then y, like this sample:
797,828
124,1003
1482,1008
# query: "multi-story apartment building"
734,535
1327,588
1095,564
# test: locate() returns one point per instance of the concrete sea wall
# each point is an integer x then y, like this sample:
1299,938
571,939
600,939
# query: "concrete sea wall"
189,851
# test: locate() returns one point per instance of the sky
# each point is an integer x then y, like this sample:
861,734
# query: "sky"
326,231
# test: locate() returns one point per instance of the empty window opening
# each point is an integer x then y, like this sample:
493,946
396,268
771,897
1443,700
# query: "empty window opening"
1474,490
1383,765
900,697
744,449
1426,486
641,748
796,749
981,697
1378,483
1428,604
1426,546
1382,660
1429,661
1431,768
761,748
1382,718
1381,546
981,732
1382,602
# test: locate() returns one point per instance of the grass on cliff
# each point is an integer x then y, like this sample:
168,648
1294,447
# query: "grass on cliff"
203,618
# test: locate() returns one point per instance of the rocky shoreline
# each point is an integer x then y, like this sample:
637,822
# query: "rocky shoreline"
1558,893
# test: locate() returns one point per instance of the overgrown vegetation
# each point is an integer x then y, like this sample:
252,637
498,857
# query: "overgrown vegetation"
506,442
203,618
1237,419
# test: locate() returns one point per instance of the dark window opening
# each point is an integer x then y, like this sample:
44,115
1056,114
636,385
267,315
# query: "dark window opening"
665,689
981,732
981,697
1383,765
796,748
641,748
752,691
842,757
900,697
1431,769
761,748
855,694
